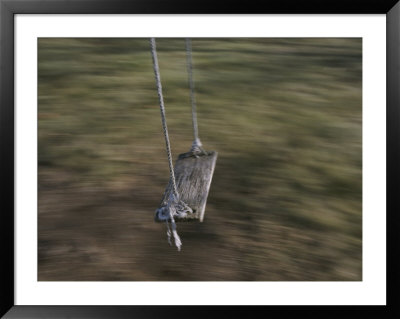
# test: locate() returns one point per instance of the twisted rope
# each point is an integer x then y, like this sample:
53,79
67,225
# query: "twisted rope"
196,145
174,207
162,110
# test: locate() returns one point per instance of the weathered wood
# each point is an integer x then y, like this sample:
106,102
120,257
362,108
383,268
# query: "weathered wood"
193,177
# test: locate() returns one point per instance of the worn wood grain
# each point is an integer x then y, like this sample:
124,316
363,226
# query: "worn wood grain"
193,177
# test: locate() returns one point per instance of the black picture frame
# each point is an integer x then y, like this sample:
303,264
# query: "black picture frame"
9,8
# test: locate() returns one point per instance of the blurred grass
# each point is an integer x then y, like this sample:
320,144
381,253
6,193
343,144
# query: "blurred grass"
285,116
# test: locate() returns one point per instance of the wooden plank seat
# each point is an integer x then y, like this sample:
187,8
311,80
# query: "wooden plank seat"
193,175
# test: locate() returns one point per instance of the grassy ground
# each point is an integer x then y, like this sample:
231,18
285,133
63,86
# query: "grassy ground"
285,116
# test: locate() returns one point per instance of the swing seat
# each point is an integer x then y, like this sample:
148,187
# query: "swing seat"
193,175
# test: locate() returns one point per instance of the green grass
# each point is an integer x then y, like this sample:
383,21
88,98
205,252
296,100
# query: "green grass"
284,115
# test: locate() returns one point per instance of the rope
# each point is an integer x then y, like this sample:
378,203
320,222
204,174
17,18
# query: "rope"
196,146
162,110
174,207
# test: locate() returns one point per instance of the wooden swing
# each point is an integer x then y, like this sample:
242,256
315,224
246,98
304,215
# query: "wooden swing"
186,194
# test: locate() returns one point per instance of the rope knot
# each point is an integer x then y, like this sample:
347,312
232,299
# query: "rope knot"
196,148
175,208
